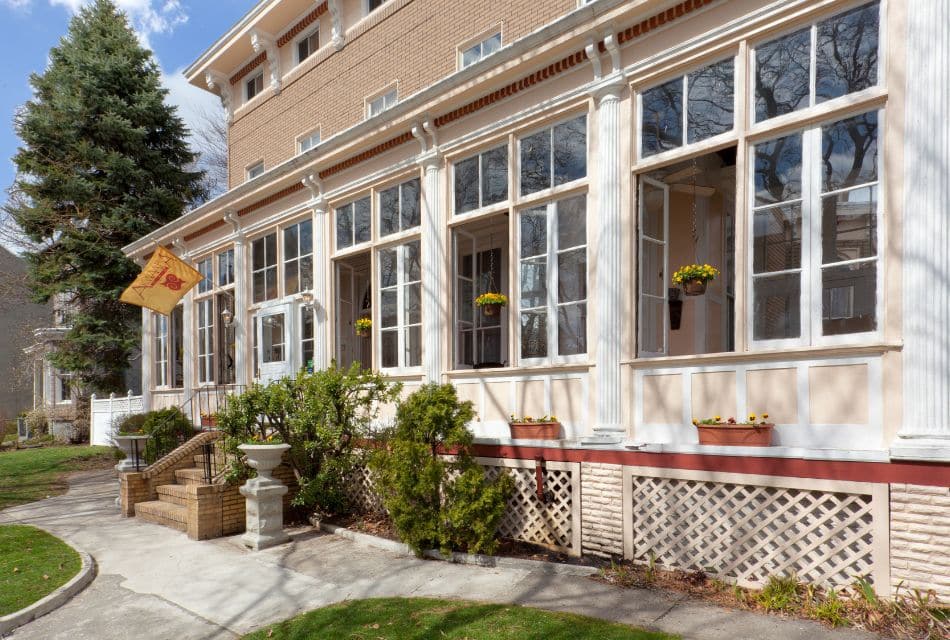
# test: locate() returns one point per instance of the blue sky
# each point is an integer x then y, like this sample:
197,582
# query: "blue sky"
177,31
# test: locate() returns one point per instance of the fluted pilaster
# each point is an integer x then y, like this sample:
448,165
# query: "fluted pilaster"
433,261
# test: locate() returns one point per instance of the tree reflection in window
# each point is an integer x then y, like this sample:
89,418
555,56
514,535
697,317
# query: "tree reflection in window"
781,75
554,156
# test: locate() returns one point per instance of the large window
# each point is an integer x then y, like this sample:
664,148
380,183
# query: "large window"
481,180
353,223
168,346
553,279
264,268
207,278
826,60
399,208
214,338
706,97
160,345
400,295
554,156
205,322
815,241
298,257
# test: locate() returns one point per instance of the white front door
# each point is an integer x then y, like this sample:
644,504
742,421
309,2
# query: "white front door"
275,340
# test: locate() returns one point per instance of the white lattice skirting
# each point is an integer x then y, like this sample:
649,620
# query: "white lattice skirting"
554,523
746,528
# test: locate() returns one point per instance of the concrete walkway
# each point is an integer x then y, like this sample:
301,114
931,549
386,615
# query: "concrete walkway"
155,583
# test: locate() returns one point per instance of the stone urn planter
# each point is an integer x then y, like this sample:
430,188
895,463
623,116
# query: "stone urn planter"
133,446
550,430
725,434
264,497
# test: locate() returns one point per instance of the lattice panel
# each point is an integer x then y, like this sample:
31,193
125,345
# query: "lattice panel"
547,523
749,532
361,492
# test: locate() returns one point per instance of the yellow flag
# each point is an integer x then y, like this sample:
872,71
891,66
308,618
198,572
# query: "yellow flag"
162,283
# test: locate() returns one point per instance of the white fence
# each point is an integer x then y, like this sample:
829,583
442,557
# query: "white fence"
106,412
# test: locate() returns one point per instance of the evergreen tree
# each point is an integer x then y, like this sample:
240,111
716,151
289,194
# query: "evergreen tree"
102,163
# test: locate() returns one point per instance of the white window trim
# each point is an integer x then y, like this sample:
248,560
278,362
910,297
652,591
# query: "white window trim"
314,29
308,136
253,75
810,304
392,88
251,168
367,11
478,41
551,304
401,326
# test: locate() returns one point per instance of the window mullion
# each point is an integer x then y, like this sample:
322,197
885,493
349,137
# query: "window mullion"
811,249
813,66
552,278
400,309
685,117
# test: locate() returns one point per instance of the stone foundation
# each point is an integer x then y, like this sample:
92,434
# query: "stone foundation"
920,538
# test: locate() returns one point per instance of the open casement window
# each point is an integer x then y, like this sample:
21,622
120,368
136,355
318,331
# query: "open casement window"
553,281
354,301
826,60
652,326
816,264
480,267
400,307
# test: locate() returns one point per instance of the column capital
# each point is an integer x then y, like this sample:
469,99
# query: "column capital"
610,89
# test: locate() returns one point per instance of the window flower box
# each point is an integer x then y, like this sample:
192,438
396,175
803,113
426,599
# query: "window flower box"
729,433
528,428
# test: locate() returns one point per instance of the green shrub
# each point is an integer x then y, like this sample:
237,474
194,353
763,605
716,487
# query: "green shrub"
167,428
325,417
131,424
436,501
37,423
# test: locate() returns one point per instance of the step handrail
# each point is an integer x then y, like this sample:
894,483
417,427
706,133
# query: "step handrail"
193,446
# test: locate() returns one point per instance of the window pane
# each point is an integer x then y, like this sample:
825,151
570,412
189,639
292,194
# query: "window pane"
226,267
270,253
778,170
411,257
306,237
777,242
466,185
849,298
849,152
782,75
387,268
495,176
291,277
491,45
572,275
534,232
651,262
534,283
270,279
572,329
389,211
847,53
273,335
710,101
534,334
536,162
653,201
662,118
306,273
259,292
849,225
572,222
291,242
570,150
471,55
466,298
362,220
651,324
776,307
413,346
344,226
413,302
410,204
388,312
389,346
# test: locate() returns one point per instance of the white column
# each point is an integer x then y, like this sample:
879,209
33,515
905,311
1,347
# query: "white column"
433,266
321,302
242,341
608,428
925,433
148,359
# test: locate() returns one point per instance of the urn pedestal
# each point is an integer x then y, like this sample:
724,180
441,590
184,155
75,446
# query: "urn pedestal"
264,497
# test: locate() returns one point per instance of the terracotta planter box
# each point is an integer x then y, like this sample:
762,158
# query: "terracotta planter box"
735,435
209,421
535,430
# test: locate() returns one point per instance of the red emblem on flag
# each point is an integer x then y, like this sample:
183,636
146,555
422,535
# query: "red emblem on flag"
173,282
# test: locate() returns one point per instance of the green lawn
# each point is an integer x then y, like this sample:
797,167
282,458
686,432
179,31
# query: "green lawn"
33,474
418,618
32,564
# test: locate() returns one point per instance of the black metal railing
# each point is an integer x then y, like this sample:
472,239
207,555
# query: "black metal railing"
213,463
212,399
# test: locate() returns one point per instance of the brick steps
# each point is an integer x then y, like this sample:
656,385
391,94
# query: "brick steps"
163,513
173,494
191,476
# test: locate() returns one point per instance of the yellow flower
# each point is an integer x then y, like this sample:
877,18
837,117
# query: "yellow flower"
695,421
765,416
717,418
751,417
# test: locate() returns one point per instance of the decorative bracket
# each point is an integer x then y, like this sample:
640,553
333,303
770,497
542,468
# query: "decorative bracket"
179,244
218,83
315,185
338,37
231,217
262,41
593,54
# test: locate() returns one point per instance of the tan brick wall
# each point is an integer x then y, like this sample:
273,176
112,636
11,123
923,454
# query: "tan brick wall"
601,509
920,538
415,46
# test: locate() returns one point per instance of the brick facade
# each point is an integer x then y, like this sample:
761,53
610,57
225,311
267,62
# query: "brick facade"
920,538
602,509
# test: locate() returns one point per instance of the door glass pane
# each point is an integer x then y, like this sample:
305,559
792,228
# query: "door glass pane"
849,225
777,302
661,122
652,222
572,275
466,185
847,52
651,324
777,242
495,176
272,334
389,211
536,162
778,170
849,152
572,222
710,101
651,268
572,329
410,215
849,298
534,334
782,75
362,220
570,150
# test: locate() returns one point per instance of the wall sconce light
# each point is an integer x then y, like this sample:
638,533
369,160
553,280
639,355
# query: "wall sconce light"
307,298
227,317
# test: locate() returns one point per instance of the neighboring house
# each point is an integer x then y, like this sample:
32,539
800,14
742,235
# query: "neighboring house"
392,160
18,319
53,389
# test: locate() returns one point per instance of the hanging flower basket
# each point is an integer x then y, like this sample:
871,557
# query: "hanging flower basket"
694,278
363,327
729,433
528,428
491,303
